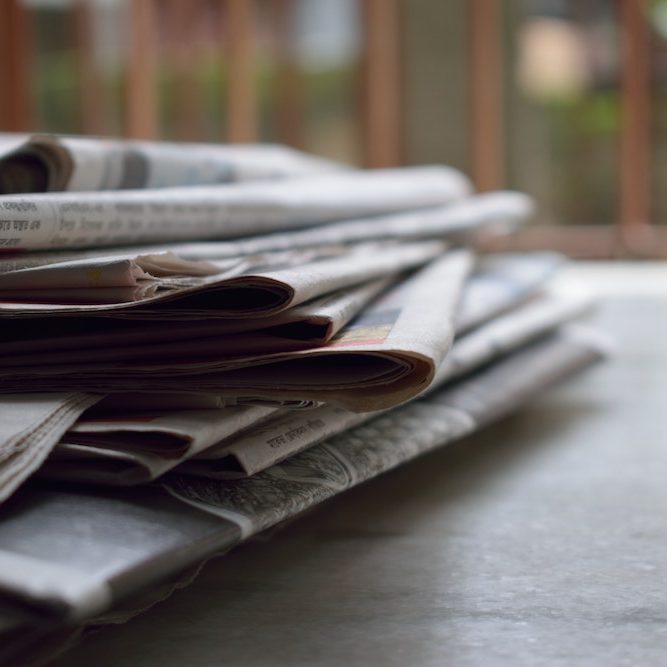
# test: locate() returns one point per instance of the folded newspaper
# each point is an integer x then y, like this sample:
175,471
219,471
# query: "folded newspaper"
258,286
384,356
134,448
31,425
139,282
124,444
499,284
249,348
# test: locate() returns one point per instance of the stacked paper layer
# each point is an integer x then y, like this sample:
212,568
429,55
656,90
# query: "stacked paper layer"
251,330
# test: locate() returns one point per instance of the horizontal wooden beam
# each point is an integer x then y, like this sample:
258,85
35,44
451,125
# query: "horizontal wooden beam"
585,241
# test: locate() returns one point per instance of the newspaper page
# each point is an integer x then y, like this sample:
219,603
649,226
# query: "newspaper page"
498,278
49,163
501,281
384,357
134,449
288,433
101,219
258,286
162,275
284,433
513,274
459,220
31,426
312,323
309,477
507,332
122,271
83,452
72,553
9,141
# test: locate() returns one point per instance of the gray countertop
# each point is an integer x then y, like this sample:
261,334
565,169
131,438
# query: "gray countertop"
540,541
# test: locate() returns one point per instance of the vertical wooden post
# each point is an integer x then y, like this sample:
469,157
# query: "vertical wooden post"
239,35
141,103
288,82
382,86
183,58
16,40
635,139
486,96
93,100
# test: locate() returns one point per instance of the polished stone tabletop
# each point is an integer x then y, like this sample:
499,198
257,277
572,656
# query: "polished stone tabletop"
540,541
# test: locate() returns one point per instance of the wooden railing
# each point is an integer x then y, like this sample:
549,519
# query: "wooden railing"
632,233
380,104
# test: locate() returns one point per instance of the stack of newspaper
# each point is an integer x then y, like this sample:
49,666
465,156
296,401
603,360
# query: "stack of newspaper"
250,330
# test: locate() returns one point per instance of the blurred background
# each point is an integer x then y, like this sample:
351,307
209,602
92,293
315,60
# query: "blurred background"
563,99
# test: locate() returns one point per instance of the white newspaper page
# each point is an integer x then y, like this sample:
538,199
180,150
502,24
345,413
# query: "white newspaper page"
110,271
253,289
99,219
460,219
257,286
